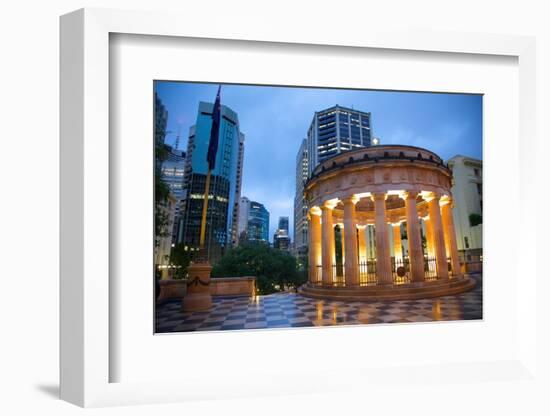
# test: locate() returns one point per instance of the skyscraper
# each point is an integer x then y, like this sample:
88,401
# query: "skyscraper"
281,239
161,121
283,224
172,171
332,131
236,213
225,183
253,221
300,204
336,130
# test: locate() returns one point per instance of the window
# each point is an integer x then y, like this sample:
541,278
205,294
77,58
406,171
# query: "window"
466,242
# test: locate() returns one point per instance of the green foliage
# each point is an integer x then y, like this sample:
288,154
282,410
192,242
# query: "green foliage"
181,259
275,270
475,219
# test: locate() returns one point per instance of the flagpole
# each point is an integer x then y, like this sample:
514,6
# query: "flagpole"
198,297
204,211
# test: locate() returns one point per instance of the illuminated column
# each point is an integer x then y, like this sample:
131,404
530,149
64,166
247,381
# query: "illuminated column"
362,237
438,238
416,257
450,236
429,237
350,243
397,250
327,230
314,245
383,260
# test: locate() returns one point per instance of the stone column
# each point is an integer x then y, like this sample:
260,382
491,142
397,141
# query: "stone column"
429,237
351,257
450,236
327,229
438,238
397,250
383,260
416,256
362,237
314,246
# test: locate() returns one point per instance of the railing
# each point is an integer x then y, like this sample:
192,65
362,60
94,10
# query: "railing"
317,277
430,269
401,270
338,278
367,273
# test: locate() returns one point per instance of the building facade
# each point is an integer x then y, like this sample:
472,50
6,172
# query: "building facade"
172,173
161,121
253,220
332,131
467,190
225,183
242,226
281,239
300,203
258,223
236,212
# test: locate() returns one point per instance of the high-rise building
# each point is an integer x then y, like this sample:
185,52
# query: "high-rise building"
336,130
467,193
225,183
244,209
283,224
172,172
300,203
235,230
281,239
161,121
332,131
258,223
253,221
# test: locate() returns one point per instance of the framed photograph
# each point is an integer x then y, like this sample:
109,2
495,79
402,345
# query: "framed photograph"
335,203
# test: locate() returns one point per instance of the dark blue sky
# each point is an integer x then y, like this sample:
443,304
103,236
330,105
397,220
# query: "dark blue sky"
276,119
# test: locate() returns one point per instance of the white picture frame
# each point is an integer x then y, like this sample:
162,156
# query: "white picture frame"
85,351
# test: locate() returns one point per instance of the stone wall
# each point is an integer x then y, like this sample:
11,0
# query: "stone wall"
219,286
233,286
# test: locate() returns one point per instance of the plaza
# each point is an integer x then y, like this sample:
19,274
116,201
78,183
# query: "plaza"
290,310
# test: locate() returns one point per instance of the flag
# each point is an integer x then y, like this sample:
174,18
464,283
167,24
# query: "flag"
214,133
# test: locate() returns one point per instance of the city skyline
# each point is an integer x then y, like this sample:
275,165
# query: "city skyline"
275,121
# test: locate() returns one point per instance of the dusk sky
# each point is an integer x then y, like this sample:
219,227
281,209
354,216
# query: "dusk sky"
276,119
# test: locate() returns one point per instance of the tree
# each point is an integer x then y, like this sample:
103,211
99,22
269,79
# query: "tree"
180,258
275,270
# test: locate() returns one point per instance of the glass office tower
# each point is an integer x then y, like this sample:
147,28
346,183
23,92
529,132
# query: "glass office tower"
333,130
225,182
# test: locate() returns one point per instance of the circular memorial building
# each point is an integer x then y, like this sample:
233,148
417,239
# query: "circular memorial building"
381,226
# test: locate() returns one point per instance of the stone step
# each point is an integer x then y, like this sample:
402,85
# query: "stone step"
393,292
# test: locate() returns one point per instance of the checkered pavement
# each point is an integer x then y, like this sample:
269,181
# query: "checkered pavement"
288,310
